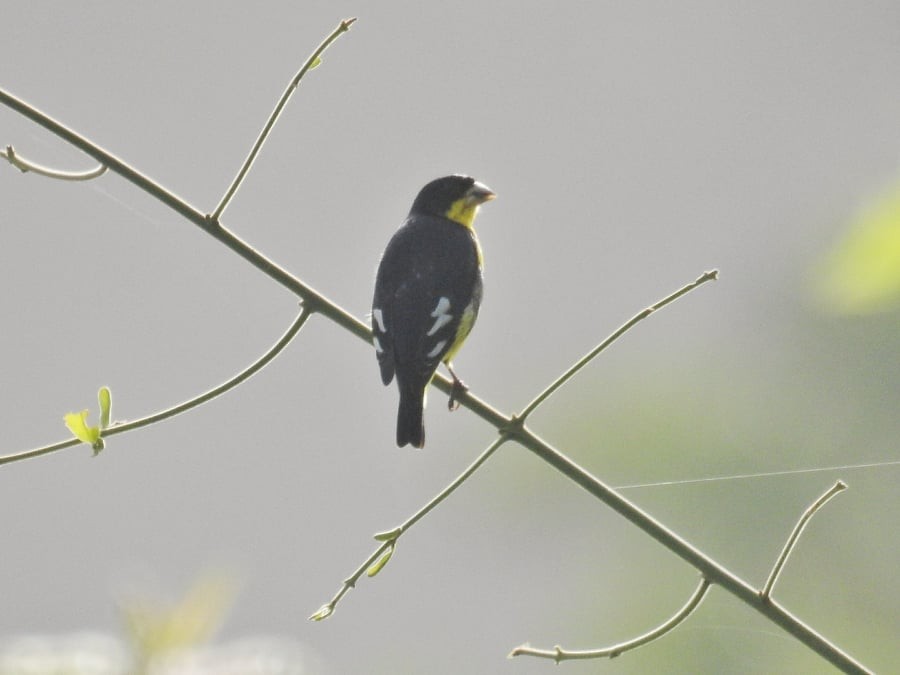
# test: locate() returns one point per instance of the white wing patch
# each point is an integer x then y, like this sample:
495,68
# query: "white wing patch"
378,347
379,320
437,349
441,316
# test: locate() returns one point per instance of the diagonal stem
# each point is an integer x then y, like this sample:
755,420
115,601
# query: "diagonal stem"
624,328
833,491
389,538
311,63
459,480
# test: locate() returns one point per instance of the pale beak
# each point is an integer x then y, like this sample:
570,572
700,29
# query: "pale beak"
479,193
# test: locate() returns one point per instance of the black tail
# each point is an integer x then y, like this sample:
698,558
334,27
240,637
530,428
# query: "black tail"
410,427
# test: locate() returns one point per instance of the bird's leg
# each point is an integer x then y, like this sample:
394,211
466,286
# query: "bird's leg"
459,388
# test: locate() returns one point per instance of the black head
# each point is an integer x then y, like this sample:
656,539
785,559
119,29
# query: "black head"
440,195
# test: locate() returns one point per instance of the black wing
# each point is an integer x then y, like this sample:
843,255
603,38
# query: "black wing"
428,276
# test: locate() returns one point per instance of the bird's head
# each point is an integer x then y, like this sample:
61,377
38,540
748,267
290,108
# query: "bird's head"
455,197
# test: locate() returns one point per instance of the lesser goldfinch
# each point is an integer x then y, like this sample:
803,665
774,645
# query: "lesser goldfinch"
427,293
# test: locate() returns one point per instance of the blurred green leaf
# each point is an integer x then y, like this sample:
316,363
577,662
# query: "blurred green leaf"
156,628
862,275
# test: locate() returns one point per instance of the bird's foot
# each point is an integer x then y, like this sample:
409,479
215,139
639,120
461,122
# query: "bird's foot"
458,389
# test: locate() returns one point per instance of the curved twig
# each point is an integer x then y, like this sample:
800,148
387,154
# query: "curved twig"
834,490
25,165
559,654
252,369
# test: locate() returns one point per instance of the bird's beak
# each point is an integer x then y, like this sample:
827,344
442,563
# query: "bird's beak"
479,193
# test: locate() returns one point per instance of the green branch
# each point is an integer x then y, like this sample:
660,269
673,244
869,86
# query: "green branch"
559,654
231,383
377,560
835,489
587,358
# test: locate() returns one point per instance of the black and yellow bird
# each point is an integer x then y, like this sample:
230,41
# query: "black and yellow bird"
427,293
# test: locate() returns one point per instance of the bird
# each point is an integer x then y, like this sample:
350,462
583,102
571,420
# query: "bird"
428,290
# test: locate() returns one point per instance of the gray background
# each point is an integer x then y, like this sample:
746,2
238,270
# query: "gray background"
632,146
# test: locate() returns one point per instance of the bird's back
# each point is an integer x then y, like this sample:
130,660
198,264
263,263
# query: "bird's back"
427,259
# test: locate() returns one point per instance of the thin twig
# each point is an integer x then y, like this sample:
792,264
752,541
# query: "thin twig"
327,609
25,165
834,490
624,328
389,538
252,369
311,62
459,480
559,654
